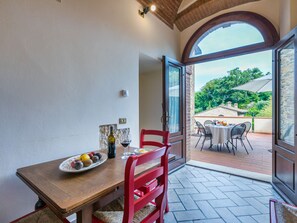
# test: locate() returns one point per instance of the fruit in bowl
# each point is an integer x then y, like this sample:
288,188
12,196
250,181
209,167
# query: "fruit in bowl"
77,164
87,163
95,159
85,160
99,155
84,157
91,154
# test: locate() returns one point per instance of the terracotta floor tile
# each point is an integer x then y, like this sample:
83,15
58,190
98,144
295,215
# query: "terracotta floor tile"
259,160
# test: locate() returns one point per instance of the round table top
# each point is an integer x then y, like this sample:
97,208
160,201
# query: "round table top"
221,126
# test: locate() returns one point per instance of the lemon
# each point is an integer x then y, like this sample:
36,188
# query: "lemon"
84,157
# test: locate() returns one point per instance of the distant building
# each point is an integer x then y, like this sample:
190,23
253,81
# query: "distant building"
224,110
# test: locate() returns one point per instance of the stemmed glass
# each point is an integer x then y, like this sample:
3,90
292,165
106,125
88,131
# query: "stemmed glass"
125,141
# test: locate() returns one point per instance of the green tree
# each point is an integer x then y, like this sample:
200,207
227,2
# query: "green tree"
256,108
220,91
267,110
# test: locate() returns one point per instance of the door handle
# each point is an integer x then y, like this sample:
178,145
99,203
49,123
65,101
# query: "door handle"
165,119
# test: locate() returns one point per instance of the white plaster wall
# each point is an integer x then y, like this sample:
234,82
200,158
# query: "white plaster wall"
62,66
150,103
267,8
285,17
288,16
217,111
293,13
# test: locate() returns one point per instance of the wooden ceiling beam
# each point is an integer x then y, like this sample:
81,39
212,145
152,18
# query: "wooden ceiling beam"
202,9
166,10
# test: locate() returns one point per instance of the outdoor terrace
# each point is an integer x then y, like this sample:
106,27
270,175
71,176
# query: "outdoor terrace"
259,160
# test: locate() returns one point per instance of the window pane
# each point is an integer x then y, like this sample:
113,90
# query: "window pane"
174,99
226,36
286,100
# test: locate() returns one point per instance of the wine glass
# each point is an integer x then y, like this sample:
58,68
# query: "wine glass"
125,141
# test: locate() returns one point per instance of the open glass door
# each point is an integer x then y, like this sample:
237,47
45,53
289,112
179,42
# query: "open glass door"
174,108
284,120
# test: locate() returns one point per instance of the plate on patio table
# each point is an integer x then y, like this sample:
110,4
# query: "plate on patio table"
141,151
65,166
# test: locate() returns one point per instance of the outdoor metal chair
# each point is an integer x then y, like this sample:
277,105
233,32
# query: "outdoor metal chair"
205,132
248,128
208,122
198,132
236,134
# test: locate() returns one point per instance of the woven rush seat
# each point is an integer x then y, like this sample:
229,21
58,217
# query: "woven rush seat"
282,213
44,215
114,211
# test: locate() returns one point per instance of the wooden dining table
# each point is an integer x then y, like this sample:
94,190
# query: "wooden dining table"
80,193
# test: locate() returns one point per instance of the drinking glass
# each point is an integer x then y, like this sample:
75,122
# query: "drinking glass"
125,141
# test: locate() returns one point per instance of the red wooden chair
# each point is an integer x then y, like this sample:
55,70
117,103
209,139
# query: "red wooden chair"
163,134
130,209
41,215
164,141
272,211
282,212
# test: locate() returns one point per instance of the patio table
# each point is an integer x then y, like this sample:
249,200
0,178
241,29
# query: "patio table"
220,134
81,193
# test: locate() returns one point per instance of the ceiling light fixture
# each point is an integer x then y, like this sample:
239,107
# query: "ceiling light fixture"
146,10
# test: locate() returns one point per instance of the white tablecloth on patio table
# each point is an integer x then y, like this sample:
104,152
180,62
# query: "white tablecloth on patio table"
220,134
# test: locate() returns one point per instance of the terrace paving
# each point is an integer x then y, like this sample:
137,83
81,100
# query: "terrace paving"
205,196
259,160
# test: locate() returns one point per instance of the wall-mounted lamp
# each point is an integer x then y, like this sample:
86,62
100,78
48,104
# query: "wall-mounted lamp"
147,9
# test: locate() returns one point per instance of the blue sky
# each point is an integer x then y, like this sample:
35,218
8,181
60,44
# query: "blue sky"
225,39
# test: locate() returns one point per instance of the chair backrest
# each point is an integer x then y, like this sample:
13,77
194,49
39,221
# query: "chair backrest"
238,130
248,127
201,128
208,122
163,134
132,183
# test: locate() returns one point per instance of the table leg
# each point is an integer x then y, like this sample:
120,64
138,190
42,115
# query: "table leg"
85,215
228,147
39,204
